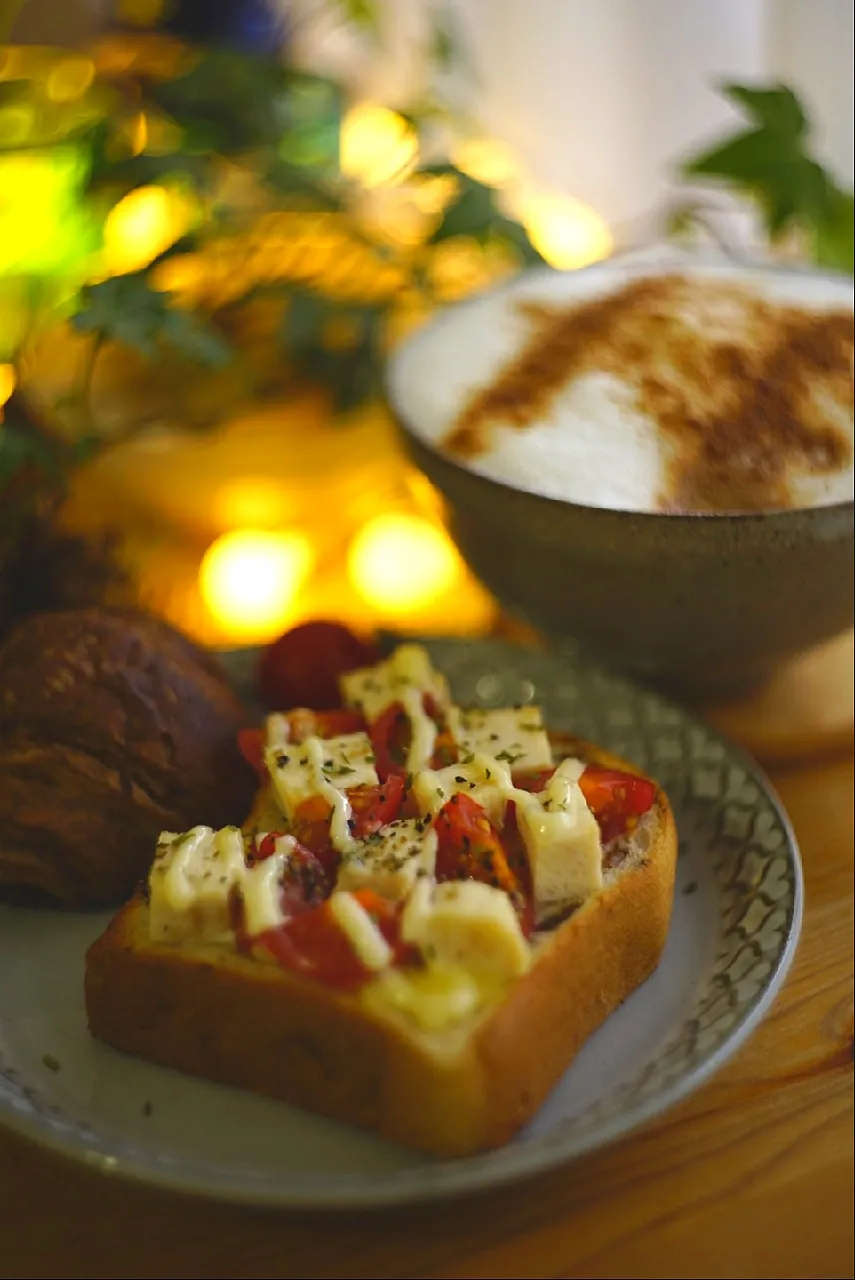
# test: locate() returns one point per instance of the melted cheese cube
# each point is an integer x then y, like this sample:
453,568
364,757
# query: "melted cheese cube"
405,677
434,998
563,843
392,861
486,780
318,766
361,931
466,923
514,735
277,731
190,882
260,888
373,689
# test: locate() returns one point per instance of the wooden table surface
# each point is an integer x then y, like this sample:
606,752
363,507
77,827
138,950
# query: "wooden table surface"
752,1176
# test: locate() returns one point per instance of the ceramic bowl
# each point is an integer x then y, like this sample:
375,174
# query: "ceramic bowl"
703,605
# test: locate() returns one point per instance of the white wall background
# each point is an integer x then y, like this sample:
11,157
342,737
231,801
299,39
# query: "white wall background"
599,98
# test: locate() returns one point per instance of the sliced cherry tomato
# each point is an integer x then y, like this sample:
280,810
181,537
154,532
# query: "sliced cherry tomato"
313,944
373,807
387,916
391,734
304,722
617,800
310,827
470,847
445,751
390,738
533,780
251,744
304,887
303,666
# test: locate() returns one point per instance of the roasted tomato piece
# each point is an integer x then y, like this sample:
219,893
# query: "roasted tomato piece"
310,827
533,780
251,745
305,722
391,734
304,887
390,738
374,807
470,847
313,944
617,800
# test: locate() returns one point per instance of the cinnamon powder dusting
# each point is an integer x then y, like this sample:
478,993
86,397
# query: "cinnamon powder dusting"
745,394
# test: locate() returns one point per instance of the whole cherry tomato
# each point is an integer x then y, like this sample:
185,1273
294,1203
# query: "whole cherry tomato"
302,667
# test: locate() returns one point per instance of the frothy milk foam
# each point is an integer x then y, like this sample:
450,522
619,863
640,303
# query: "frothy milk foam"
591,443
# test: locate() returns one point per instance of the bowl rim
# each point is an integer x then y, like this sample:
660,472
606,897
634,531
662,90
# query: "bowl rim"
723,261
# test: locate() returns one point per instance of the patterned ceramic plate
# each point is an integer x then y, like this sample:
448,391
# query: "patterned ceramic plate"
736,920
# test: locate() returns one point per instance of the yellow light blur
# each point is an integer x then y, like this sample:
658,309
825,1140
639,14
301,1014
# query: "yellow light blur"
69,79
252,502
567,232
400,563
17,123
377,145
486,160
7,384
144,223
249,581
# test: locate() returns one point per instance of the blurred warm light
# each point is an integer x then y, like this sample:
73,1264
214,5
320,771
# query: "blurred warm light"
142,225
486,160
249,581
254,502
43,226
69,79
567,232
7,385
17,123
459,267
400,563
377,145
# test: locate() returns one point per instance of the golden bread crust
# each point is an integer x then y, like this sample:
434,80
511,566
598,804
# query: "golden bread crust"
228,1018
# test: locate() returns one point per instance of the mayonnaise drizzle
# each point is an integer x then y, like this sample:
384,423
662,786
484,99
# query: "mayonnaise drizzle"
422,730
340,835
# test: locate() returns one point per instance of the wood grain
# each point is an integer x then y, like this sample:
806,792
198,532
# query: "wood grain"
751,1177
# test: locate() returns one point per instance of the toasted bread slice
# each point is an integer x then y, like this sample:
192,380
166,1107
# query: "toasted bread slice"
218,1014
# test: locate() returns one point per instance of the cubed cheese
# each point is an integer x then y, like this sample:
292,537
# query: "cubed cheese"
466,923
391,861
562,840
277,731
373,689
435,997
513,735
190,882
406,678
260,888
483,778
361,931
323,767
194,875
301,770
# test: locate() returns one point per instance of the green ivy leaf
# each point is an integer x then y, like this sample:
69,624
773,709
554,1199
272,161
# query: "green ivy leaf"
302,187
834,243
777,108
126,309
514,234
470,212
772,164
